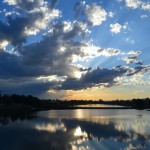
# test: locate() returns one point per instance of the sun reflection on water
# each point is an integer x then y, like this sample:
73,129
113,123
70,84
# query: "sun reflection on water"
78,132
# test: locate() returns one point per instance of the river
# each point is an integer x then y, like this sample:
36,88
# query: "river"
78,129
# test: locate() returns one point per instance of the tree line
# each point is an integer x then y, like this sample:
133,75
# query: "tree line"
34,102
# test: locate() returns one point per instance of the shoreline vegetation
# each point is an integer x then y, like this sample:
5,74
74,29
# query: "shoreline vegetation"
13,105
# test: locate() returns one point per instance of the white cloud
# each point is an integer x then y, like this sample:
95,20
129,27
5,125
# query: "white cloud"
27,5
96,14
115,28
129,40
125,26
146,6
111,14
9,13
134,52
90,51
42,22
133,3
144,16
11,2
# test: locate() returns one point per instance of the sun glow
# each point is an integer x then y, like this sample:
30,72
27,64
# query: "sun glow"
78,74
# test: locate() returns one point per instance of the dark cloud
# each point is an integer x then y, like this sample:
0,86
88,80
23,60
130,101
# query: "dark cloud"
97,77
19,72
109,51
26,86
13,31
4,31
101,77
12,66
142,69
55,51
42,58
130,59
139,63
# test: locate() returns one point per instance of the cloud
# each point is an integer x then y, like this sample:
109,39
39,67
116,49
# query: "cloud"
90,51
3,44
115,28
133,3
26,5
27,86
140,70
129,40
132,58
134,52
144,16
139,63
10,13
52,63
131,146
96,14
109,51
102,77
57,48
94,78
145,6
111,14
11,2
92,14
12,66
37,17
53,55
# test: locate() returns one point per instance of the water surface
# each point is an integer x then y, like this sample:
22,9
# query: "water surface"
78,129
98,106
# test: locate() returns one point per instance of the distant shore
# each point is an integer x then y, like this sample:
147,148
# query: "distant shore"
11,105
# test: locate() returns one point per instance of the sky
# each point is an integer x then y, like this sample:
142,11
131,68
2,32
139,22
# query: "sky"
73,49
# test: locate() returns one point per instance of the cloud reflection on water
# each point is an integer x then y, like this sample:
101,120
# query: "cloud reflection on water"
51,127
85,133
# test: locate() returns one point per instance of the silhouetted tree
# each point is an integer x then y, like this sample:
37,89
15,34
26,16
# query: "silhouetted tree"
0,96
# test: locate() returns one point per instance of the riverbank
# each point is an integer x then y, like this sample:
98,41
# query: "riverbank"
15,110
25,110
